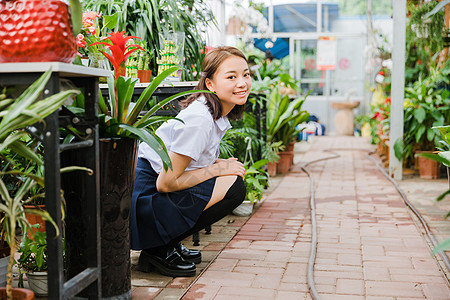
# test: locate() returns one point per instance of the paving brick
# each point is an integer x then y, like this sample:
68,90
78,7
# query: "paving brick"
221,278
278,256
396,289
262,263
181,282
373,250
201,291
336,274
336,267
425,263
214,246
283,295
169,293
325,288
295,287
349,259
259,270
296,269
350,286
341,297
145,293
439,279
223,264
394,262
243,244
294,279
270,281
437,291
272,245
260,293
376,273
243,254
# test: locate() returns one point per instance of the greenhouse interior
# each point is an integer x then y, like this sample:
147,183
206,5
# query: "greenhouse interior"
213,149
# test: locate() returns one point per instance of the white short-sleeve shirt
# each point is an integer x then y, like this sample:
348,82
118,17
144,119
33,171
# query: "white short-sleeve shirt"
198,137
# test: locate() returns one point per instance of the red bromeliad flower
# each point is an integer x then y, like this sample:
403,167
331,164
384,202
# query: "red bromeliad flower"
119,51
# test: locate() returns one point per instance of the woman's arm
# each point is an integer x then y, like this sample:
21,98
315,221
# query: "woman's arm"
179,179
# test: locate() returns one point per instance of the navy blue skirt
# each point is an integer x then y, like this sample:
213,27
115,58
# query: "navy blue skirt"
157,218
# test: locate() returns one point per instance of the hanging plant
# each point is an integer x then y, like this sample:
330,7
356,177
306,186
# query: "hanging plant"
429,25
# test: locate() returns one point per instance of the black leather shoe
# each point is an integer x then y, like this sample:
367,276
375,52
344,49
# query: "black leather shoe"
167,262
194,256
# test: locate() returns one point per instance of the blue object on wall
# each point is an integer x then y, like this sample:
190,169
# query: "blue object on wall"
299,17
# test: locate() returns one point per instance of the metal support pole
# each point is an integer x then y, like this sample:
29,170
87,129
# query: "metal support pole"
270,17
291,57
298,67
53,196
398,86
319,16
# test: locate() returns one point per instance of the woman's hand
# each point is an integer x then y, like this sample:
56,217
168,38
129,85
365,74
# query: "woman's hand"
231,166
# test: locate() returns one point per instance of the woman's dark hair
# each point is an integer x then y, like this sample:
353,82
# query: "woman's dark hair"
211,63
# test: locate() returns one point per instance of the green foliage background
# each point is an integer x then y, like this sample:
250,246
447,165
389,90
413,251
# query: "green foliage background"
150,18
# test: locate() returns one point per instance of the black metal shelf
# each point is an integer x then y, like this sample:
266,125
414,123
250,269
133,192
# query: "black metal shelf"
87,79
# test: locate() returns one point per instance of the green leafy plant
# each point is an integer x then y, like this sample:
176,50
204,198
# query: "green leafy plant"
424,39
270,151
283,116
256,180
15,115
426,106
33,253
442,157
149,18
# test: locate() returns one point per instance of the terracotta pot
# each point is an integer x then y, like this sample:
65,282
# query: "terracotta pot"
290,148
429,169
285,162
36,31
35,219
272,168
144,75
17,294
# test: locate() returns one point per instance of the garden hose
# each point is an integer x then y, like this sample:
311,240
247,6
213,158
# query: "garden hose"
313,252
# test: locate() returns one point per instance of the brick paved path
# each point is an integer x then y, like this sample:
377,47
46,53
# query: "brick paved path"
368,246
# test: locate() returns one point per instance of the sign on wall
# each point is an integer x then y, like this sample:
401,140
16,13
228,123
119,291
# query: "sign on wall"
326,53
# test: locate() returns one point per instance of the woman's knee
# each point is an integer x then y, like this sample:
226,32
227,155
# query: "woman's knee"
237,192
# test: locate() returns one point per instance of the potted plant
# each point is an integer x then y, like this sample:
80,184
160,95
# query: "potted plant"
16,114
93,26
443,156
143,64
256,180
33,262
283,116
425,106
271,153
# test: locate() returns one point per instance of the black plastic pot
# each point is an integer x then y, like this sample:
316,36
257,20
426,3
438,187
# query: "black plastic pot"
117,168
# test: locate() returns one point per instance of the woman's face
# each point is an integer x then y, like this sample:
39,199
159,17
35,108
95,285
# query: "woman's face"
231,82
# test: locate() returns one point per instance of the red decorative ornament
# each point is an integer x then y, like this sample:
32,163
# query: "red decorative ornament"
36,31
